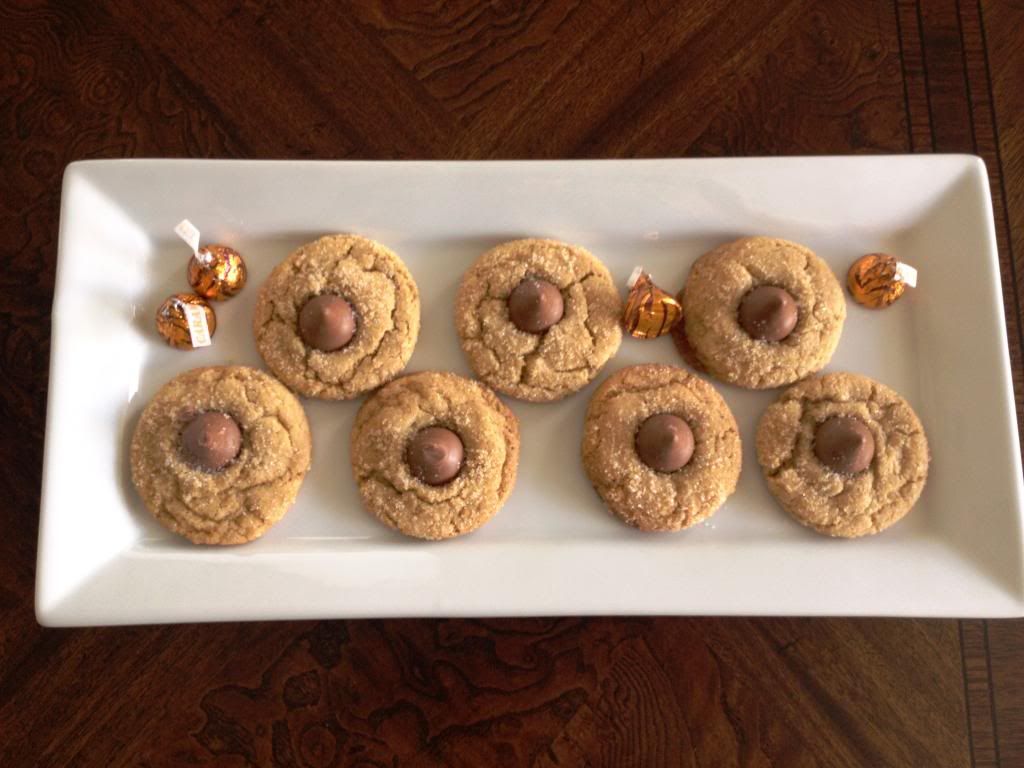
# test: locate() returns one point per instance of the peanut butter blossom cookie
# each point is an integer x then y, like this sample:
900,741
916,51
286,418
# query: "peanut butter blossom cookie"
434,454
538,318
843,454
762,312
219,454
338,317
661,447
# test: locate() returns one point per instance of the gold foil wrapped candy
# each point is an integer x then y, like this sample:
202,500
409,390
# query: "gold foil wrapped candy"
878,279
216,272
186,321
650,312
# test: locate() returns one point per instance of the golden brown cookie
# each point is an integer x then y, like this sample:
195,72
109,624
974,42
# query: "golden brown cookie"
719,284
556,358
240,501
383,303
384,437
838,500
613,449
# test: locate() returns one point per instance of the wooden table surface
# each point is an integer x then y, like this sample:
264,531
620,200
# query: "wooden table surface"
512,79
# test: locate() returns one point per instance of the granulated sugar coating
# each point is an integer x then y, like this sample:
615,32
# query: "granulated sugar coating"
717,284
388,421
241,501
379,288
830,502
639,495
564,358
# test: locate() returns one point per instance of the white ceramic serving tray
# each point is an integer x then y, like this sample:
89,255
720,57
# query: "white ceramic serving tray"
553,549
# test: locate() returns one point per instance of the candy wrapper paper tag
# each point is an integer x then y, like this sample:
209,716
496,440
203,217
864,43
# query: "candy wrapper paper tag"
187,231
198,329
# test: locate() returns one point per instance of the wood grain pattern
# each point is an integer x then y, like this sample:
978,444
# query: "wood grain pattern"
999,24
514,78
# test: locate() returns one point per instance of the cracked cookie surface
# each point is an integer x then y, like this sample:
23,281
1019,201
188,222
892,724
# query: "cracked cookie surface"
563,359
240,502
383,296
718,282
830,502
390,418
643,497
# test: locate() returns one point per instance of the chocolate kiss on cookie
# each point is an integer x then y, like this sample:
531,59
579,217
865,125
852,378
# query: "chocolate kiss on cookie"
211,441
768,313
844,444
327,322
435,455
535,305
665,442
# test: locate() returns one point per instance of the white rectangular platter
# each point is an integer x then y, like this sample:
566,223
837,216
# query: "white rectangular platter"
552,549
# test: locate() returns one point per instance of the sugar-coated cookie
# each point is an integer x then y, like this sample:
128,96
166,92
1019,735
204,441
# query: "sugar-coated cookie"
843,454
218,454
538,318
661,447
338,317
434,454
761,312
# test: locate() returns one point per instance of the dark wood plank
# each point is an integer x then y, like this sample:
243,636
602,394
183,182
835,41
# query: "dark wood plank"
1006,647
915,84
981,715
463,79
830,82
938,99
524,692
965,111
946,77
1001,24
